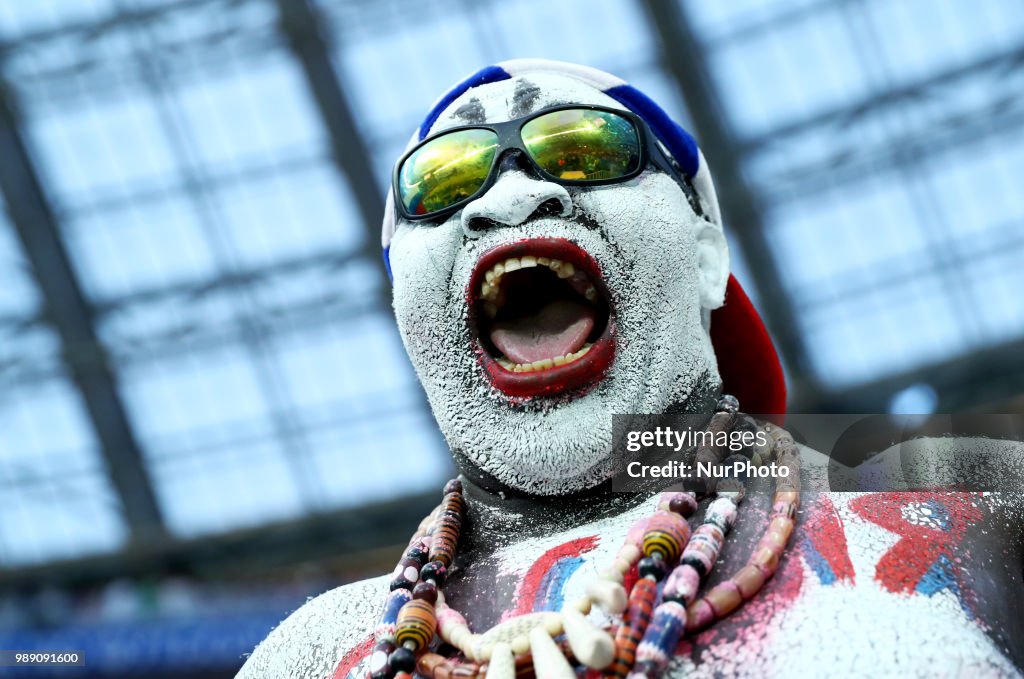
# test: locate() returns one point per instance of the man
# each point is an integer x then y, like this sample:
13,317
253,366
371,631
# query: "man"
547,286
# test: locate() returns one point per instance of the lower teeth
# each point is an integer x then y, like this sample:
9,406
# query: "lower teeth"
543,364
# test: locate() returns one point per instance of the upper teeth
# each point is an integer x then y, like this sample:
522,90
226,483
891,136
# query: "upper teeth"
492,278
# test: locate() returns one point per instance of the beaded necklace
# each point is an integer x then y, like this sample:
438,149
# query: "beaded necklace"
651,619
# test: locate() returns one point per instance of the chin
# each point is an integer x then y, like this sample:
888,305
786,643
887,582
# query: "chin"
528,339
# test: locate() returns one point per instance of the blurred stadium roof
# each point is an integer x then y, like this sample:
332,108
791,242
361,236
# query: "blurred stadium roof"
194,330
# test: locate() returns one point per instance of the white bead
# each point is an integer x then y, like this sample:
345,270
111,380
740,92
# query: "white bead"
503,662
593,647
583,605
553,626
611,596
548,661
520,645
612,574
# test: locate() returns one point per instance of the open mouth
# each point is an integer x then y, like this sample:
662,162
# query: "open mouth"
541,316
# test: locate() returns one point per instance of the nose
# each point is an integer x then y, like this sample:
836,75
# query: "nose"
513,199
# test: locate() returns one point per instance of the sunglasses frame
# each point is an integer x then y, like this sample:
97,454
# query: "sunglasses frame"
510,137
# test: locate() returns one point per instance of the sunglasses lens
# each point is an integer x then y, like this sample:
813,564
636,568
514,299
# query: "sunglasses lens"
583,145
446,170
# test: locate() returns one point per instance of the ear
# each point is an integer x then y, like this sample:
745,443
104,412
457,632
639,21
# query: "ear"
712,265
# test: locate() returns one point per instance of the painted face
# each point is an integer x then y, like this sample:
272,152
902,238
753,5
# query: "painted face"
538,311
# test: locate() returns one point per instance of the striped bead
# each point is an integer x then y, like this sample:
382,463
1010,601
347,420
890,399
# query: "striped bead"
662,635
447,526
666,533
634,624
385,630
416,624
704,547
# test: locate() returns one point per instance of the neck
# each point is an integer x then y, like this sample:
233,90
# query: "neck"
497,513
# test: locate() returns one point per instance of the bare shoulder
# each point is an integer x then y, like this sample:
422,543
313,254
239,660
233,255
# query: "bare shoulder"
312,641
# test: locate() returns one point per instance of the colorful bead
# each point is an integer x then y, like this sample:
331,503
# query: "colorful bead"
447,526
435,572
453,486
426,591
406,573
724,598
749,580
379,666
385,630
634,624
667,533
727,404
682,584
783,525
437,666
652,567
662,635
402,660
699,615
766,559
703,549
684,504
416,624
417,551
721,512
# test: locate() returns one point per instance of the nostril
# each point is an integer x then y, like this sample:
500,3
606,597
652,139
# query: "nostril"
481,224
549,208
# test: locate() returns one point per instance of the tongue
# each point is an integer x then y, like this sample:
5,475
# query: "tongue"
559,328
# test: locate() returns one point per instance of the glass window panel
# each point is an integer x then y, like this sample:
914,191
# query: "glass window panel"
790,71
101,143
194,398
140,246
234,487
379,458
252,110
917,37
292,215
57,517
885,331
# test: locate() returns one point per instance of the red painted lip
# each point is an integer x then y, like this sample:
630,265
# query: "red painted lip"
580,375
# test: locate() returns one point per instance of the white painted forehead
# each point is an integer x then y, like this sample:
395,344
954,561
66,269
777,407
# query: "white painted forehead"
519,96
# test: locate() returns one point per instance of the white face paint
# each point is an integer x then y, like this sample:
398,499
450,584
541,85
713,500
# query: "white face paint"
665,269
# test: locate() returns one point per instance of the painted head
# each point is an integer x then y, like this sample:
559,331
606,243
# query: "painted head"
572,282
